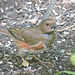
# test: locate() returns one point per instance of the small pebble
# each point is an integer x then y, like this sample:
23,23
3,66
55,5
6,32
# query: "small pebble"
28,2
65,33
63,40
11,66
9,42
1,45
56,58
33,21
62,51
50,70
60,66
2,10
59,42
1,62
40,68
9,63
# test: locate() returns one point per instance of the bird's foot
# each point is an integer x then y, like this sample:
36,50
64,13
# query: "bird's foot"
28,69
41,62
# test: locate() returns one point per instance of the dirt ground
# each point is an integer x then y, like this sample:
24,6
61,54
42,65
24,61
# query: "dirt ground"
19,14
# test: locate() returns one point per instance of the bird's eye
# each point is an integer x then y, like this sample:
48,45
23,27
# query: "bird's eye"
47,24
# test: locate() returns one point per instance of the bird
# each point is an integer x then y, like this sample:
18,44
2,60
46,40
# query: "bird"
32,40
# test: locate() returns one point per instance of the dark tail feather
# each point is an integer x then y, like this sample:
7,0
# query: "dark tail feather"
5,31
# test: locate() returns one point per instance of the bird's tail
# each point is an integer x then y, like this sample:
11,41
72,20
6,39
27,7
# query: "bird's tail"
5,31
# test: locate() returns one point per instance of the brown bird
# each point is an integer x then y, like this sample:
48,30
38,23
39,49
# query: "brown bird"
32,39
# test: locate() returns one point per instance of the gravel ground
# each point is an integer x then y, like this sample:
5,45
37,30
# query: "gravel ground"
20,14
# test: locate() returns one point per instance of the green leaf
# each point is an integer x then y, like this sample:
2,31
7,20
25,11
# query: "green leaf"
72,59
68,72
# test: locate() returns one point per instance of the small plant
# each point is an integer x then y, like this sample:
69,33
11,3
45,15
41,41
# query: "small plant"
72,59
68,72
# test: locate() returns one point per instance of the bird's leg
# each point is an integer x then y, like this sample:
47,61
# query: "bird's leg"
29,68
41,62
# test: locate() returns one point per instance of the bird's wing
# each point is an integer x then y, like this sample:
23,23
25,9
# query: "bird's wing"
17,33
30,36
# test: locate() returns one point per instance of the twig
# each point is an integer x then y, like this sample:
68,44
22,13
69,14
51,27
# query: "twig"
67,28
49,9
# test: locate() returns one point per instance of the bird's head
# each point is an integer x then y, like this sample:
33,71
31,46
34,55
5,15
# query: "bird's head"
48,26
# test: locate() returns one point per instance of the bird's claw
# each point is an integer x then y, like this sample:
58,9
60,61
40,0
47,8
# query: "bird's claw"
29,70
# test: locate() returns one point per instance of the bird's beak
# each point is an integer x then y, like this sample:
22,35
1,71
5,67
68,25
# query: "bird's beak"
55,26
